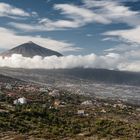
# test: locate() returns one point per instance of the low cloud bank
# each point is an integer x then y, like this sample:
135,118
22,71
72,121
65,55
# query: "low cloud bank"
109,61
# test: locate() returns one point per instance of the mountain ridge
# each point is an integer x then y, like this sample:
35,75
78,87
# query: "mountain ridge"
30,49
76,75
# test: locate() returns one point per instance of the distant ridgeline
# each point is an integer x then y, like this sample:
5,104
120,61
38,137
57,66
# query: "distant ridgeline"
75,75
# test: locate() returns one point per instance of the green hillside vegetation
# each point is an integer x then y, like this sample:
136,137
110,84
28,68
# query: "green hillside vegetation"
42,121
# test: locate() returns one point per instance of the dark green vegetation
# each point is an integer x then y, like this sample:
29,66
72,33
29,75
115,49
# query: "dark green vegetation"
41,119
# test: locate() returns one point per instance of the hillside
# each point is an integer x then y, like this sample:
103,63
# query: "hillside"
75,75
7,79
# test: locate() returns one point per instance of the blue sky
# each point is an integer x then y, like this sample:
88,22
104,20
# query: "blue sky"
72,26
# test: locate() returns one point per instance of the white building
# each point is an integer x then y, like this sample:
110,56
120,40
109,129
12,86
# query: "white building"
20,101
103,111
54,93
122,106
8,86
80,112
43,89
88,103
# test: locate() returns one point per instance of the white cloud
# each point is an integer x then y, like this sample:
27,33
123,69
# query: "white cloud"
129,35
109,39
115,58
110,61
54,62
129,61
80,13
45,25
123,47
113,8
7,10
130,56
9,39
76,17
114,11
27,27
92,11
130,66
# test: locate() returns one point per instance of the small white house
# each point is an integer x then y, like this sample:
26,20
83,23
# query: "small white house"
20,101
122,106
80,112
54,93
43,89
87,103
15,102
9,86
103,111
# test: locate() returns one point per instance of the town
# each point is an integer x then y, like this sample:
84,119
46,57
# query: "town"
32,111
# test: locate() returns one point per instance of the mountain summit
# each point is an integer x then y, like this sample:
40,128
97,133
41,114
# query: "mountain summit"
30,49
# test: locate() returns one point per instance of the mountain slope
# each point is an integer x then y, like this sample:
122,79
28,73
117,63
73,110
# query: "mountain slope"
7,79
30,49
75,75
100,83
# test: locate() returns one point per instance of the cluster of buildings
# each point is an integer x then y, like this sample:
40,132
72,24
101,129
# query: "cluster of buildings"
14,91
27,87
